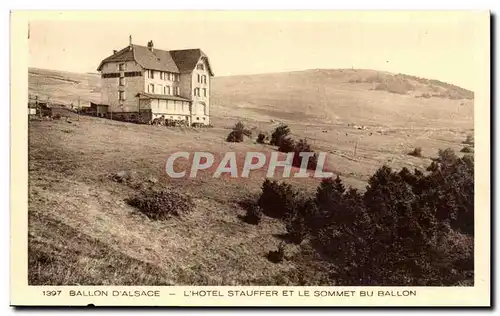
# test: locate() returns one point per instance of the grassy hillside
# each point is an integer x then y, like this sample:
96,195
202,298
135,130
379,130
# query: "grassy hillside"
344,96
82,231
64,87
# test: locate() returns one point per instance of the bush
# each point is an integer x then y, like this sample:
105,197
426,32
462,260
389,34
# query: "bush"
417,152
280,133
235,137
262,138
408,228
277,256
161,205
278,200
253,215
287,145
300,147
240,128
467,149
56,116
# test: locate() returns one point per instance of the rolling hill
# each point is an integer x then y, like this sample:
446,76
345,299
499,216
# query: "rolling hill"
357,96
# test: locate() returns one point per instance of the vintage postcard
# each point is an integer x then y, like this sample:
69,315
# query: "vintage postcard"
239,158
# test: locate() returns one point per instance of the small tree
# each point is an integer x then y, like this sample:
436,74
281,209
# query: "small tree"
279,134
300,147
278,200
235,137
240,127
287,145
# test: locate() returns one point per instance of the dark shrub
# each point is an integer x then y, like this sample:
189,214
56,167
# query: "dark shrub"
278,200
240,128
277,256
417,152
407,229
329,197
262,138
300,147
279,133
454,198
235,137
56,116
467,149
287,145
161,205
253,215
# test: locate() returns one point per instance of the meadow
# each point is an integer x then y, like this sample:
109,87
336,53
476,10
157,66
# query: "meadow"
82,231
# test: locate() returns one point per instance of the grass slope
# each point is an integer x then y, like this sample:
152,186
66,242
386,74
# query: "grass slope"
81,230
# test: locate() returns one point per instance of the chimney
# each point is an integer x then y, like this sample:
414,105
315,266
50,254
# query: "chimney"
150,45
114,51
130,40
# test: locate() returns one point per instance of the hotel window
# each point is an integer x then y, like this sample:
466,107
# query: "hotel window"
177,91
161,75
121,95
121,67
121,81
201,67
167,89
151,88
204,92
152,74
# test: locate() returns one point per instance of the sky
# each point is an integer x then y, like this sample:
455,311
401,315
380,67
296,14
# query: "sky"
444,47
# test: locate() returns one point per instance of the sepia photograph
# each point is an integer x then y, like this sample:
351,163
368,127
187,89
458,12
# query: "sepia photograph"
331,151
